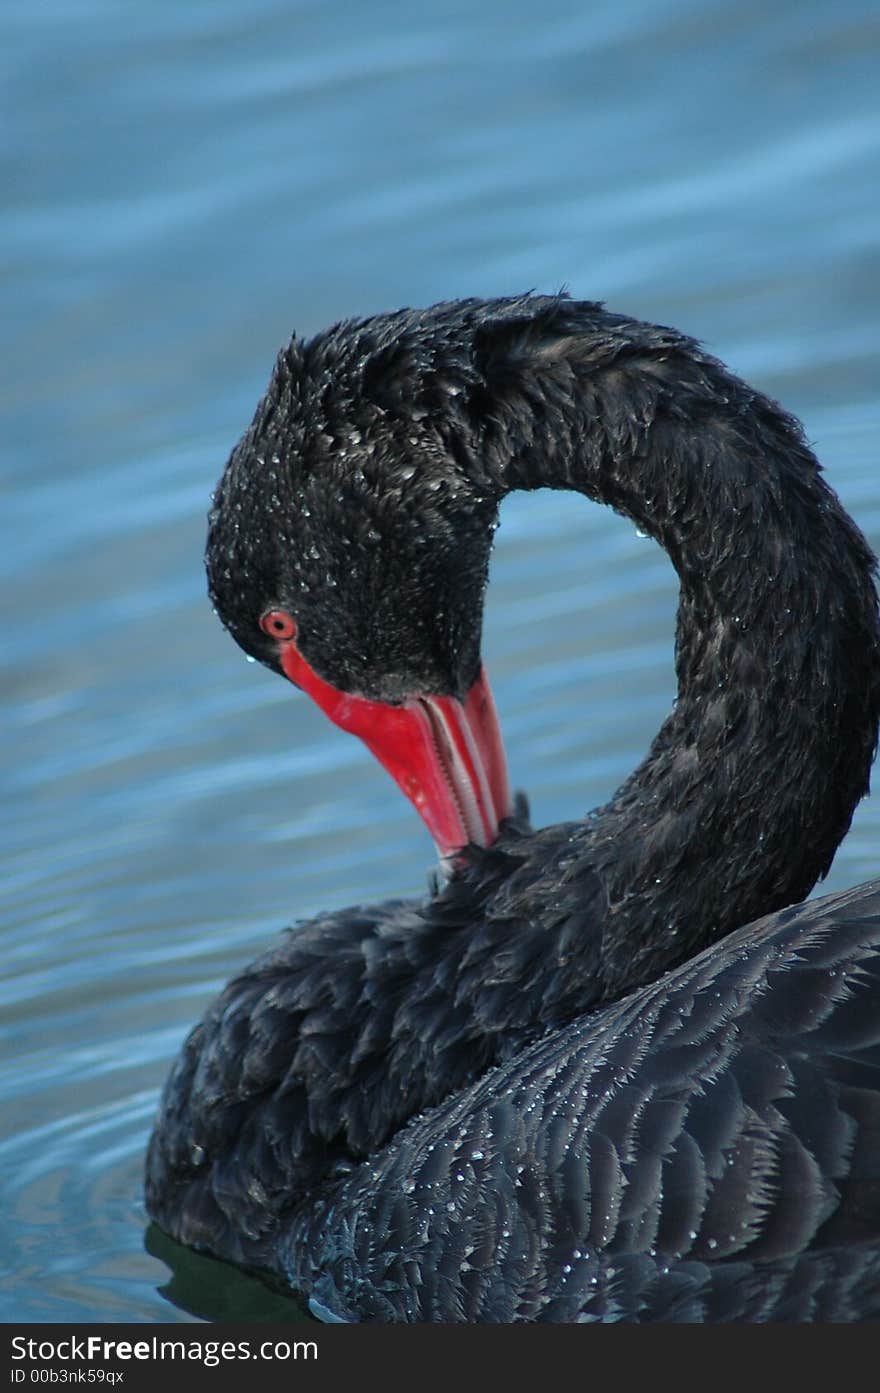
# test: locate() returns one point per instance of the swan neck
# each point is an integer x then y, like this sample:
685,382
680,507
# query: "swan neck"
752,780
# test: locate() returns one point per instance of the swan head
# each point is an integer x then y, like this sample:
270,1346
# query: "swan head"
348,549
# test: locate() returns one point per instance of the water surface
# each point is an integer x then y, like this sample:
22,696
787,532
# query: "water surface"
184,186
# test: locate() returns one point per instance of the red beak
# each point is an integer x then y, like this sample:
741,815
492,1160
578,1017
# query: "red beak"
446,755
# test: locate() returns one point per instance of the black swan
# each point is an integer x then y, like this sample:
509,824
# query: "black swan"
569,1085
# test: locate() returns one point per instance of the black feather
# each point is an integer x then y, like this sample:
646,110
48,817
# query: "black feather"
568,1085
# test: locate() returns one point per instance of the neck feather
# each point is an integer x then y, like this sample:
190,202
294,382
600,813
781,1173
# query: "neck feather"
751,782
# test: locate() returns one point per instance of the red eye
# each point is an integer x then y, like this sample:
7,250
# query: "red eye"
277,623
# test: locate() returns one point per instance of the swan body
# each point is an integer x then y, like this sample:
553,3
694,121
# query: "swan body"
609,1070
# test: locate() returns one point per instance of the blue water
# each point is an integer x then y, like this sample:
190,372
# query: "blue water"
184,185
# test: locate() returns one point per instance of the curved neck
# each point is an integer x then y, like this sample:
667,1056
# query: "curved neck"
751,782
